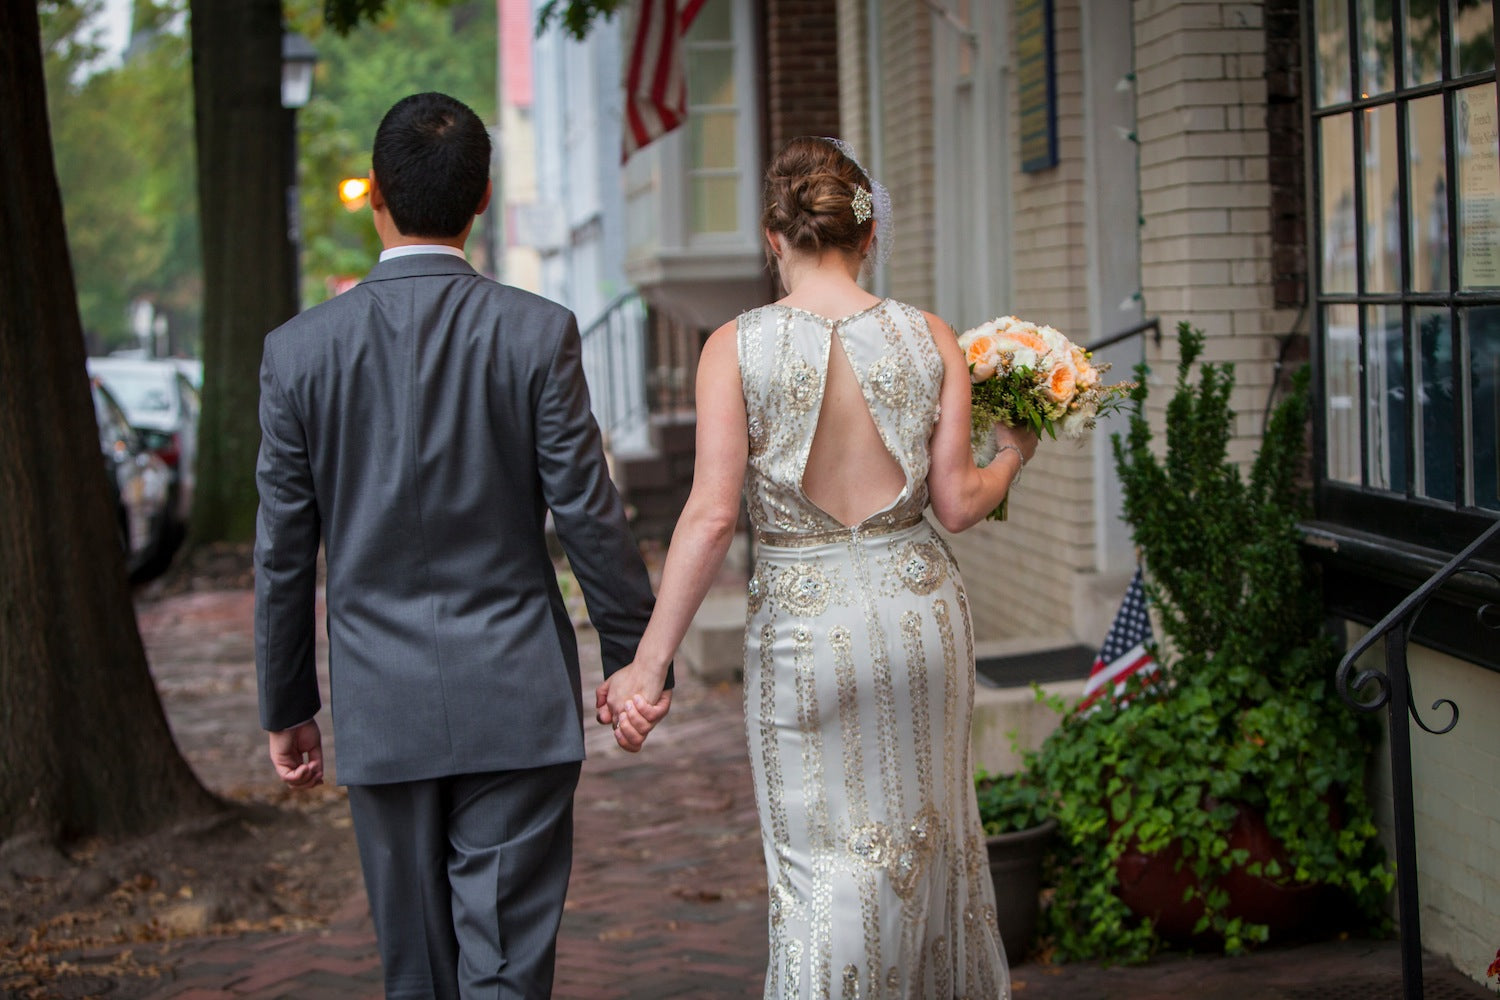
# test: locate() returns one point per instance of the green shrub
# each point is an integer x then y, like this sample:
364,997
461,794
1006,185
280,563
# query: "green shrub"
1245,710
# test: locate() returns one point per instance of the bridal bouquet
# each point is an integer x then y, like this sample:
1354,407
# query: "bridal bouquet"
1026,375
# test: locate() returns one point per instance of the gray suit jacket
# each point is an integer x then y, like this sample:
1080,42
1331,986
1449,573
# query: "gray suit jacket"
423,423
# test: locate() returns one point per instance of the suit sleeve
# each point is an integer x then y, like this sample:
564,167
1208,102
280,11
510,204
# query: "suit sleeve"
287,531
586,508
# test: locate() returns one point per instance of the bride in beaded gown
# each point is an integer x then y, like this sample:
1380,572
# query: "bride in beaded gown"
841,420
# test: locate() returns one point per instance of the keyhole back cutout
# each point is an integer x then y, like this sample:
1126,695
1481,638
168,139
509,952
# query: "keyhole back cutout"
850,473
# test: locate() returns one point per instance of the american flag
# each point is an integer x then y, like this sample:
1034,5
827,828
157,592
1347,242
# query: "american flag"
1124,651
655,80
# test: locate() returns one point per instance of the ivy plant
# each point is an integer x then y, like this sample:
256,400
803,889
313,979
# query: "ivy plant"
1009,803
1242,713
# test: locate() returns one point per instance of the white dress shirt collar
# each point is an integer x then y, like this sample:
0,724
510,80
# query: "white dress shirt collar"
406,251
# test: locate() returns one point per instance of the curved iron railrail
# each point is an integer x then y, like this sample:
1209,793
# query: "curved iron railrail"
1370,690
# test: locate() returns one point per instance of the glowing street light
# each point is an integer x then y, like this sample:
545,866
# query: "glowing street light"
354,192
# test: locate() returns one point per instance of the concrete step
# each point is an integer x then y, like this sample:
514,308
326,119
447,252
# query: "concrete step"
1010,720
713,649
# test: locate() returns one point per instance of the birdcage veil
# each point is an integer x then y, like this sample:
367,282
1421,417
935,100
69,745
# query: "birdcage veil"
885,230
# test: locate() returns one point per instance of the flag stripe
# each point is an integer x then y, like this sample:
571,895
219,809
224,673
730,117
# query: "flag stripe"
1143,665
1102,675
655,79
645,13
1125,650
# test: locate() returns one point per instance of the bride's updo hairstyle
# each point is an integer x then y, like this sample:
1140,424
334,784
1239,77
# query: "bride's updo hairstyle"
809,199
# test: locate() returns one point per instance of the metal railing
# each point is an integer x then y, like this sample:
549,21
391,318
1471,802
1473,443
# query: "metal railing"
1392,691
614,364
1152,324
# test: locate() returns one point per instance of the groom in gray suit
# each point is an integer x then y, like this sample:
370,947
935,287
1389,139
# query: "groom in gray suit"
421,425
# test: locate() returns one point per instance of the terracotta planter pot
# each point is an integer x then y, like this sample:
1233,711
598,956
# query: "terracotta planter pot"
1153,887
1016,869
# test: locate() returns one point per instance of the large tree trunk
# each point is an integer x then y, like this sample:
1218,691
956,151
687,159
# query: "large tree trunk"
244,149
84,745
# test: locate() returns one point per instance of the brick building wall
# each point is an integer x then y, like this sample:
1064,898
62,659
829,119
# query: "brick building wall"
1049,538
1206,238
854,78
802,70
905,160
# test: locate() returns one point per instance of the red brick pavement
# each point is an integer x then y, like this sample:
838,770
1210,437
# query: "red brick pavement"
668,891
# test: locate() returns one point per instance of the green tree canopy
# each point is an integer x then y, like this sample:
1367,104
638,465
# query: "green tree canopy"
123,141
412,46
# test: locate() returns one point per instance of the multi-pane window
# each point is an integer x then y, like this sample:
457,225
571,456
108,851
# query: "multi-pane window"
1407,156
713,121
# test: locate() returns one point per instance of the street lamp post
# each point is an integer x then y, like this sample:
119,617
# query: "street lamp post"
298,57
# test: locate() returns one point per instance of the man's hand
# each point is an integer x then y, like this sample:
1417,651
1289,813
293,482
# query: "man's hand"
297,755
633,702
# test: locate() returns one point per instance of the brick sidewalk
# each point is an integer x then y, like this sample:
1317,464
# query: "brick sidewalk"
667,897
668,891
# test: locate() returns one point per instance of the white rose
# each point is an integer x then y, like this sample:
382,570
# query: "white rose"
1021,357
1074,424
1054,340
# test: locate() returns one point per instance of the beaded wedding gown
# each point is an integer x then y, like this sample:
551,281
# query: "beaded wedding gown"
859,686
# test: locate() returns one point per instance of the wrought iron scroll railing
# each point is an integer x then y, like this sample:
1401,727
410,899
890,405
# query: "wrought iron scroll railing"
614,363
1369,690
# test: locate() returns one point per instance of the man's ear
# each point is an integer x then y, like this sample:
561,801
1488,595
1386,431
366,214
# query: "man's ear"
377,197
484,202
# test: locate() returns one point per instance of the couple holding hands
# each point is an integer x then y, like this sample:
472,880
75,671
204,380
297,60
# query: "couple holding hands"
421,426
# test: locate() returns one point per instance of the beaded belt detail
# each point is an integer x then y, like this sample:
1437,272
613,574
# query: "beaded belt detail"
805,539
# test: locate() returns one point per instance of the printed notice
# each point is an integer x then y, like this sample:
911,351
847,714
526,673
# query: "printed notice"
1478,154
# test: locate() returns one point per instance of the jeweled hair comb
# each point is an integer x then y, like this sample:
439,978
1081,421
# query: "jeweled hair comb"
864,205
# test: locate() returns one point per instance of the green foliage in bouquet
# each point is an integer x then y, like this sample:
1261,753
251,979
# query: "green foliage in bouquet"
1008,397
1243,711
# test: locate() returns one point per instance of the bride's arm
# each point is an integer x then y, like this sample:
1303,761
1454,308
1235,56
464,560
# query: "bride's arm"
962,493
704,530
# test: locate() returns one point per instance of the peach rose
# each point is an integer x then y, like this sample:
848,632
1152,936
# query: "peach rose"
1083,370
1060,384
982,356
1028,340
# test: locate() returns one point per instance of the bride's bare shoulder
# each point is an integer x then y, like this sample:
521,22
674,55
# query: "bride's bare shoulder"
722,343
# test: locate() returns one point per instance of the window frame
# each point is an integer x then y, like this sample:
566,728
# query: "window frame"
1376,545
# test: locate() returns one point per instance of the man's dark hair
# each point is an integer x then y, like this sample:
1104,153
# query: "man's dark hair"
432,161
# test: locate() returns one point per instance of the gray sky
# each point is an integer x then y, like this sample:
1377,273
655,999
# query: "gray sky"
114,29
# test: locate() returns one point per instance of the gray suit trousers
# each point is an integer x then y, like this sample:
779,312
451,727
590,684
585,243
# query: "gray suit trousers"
466,877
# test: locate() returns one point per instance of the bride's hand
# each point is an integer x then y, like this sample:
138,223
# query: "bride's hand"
1023,439
632,701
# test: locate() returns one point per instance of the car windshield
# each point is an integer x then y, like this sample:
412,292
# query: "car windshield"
141,393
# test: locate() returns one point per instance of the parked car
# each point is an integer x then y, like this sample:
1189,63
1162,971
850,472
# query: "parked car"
192,369
162,404
139,483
